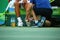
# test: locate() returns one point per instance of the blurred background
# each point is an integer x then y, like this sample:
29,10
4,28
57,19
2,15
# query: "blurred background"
5,18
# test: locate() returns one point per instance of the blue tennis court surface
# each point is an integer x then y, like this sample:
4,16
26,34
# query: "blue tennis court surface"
28,33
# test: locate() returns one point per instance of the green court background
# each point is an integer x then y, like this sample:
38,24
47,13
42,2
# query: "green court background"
3,4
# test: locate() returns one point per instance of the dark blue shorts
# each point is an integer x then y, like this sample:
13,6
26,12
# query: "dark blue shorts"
47,12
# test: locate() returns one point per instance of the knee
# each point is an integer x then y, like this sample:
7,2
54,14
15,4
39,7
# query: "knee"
16,3
27,9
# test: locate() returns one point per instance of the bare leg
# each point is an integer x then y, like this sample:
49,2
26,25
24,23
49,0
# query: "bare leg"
17,11
17,8
27,7
34,16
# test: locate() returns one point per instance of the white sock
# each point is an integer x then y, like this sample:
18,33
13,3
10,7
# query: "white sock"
36,21
19,19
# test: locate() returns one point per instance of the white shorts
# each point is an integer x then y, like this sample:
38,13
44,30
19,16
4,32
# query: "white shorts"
21,1
11,3
28,1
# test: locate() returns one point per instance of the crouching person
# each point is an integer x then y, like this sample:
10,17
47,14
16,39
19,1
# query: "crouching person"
42,8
